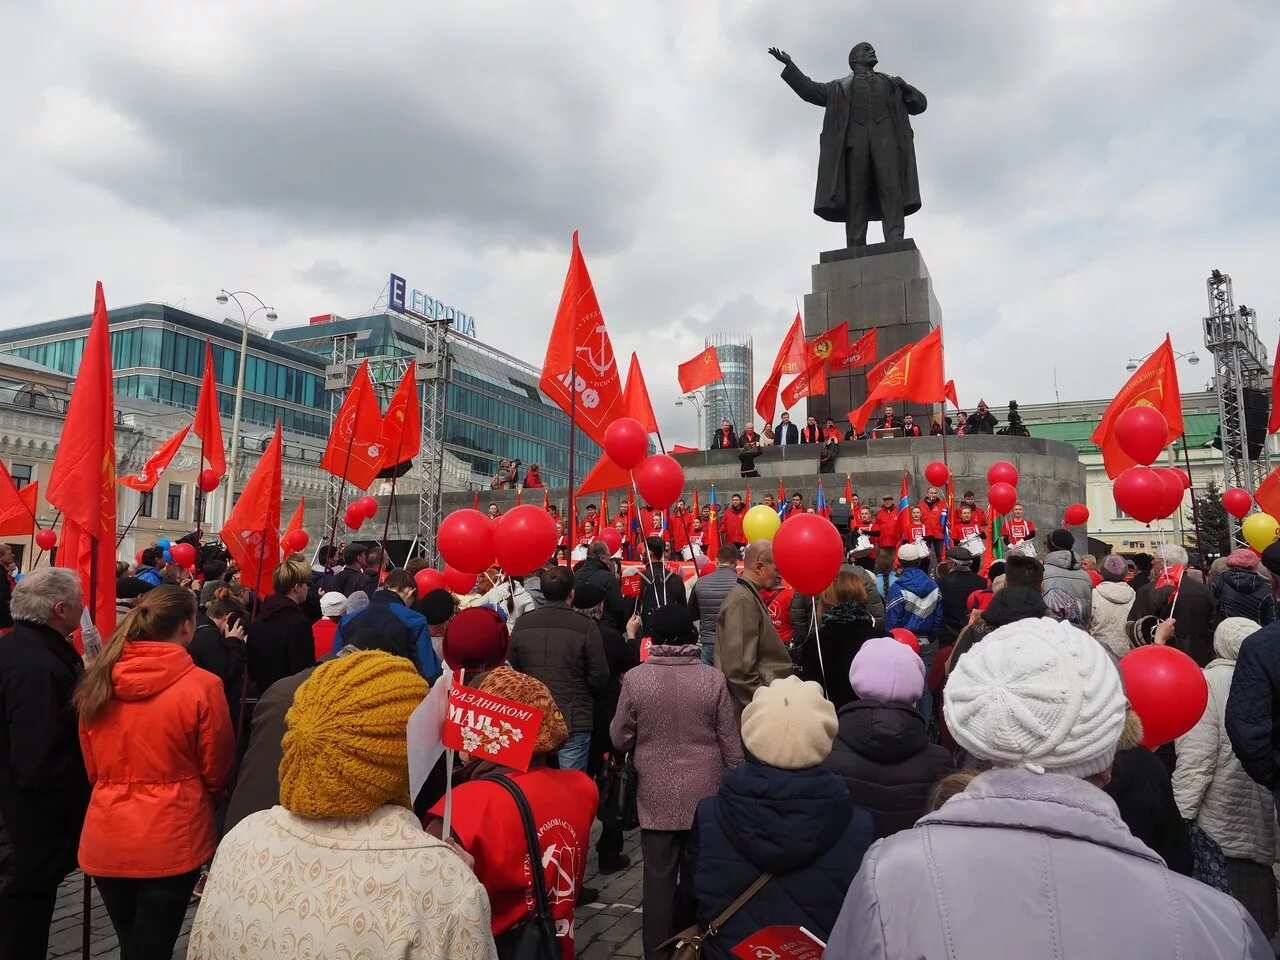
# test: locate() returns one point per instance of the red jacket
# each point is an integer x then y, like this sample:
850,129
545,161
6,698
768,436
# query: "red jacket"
532,481
887,524
932,516
679,523
733,526
777,603
979,515
159,755
912,532
488,826
324,630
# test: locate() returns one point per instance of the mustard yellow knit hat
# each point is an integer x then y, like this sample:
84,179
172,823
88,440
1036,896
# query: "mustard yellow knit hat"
345,750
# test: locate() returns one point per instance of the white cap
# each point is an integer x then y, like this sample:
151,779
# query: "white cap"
333,604
912,552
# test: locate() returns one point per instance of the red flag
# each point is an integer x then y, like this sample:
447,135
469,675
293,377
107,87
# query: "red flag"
681,448
848,490
1267,495
546,500
402,426
635,398
605,475
295,523
917,377
1274,423
790,359
813,382
829,347
748,497
475,500
82,483
711,530
782,494
145,480
862,350
18,511
355,445
208,425
1155,384
950,393
252,531
877,373
579,345
487,725
701,370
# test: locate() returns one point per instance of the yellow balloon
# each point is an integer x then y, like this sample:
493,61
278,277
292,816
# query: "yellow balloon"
1260,530
760,523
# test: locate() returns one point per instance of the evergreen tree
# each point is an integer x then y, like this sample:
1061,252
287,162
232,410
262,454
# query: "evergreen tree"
1215,525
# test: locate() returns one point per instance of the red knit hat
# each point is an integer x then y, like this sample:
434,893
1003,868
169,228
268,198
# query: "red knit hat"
476,639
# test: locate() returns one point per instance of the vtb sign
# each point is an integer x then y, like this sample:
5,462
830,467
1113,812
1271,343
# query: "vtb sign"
424,306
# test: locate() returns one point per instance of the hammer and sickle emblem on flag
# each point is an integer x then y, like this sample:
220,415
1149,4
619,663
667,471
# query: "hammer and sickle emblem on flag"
822,348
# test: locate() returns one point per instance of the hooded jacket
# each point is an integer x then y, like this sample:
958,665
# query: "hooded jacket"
600,573
1242,593
915,603
1209,784
278,642
405,628
1253,707
1062,569
657,589
159,755
1032,865
1111,603
801,826
882,751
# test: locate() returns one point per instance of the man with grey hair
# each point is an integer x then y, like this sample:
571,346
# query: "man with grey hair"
43,787
748,649
1089,564
1171,594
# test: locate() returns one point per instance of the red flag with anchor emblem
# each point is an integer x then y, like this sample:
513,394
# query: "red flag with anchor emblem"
145,480
1155,384
917,376
701,370
579,358
252,532
355,445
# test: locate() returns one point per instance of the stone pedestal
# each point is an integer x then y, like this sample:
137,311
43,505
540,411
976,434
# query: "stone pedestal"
882,285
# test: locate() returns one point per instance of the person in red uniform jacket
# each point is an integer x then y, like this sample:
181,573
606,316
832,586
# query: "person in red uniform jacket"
831,431
811,433
592,516
909,428
777,603
887,525
979,515
864,526
1018,528
916,530
681,526
931,508
487,824
795,508
657,530
562,535
732,522
965,528
725,438
533,478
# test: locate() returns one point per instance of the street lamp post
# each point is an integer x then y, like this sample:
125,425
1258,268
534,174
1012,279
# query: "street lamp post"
223,297
699,400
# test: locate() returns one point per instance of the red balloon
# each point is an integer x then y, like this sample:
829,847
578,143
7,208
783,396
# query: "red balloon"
1173,490
297,540
702,563
1076,515
808,550
138,557
528,540
184,554
458,582
1142,433
1139,492
209,480
612,539
465,540
1237,502
427,580
660,480
352,517
626,442
905,636
46,538
1002,471
1002,497
367,506
1185,478
1166,690
937,473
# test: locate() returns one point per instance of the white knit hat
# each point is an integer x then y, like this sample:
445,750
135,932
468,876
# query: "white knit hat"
912,552
1040,694
333,604
789,724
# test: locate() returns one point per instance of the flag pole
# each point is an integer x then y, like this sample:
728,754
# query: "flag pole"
86,912
386,527
1195,507
342,493
201,496
56,517
132,520
573,429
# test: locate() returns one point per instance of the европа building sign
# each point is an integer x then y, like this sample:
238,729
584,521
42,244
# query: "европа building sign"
423,305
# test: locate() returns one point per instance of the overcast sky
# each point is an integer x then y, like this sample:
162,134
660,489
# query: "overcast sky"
1083,166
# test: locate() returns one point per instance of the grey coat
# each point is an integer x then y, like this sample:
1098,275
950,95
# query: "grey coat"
705,599
1062,877
1062,569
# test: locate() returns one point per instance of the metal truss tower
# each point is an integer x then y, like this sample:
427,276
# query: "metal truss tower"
1239,363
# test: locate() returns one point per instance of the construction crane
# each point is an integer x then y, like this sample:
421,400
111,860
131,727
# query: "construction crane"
1239,365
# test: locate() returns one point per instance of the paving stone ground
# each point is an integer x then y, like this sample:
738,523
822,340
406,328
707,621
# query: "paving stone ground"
608,928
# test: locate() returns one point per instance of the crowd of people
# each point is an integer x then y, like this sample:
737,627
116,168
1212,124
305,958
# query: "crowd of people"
889,765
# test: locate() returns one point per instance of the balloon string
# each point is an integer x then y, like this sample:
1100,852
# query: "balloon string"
817,639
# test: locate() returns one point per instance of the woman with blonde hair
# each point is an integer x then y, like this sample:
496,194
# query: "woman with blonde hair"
158,747
845,624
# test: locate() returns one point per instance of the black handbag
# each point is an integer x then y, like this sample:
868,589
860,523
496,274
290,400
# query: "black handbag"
535,938
619,782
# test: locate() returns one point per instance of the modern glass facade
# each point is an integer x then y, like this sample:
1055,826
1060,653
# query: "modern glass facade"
494,411
157,353
732,398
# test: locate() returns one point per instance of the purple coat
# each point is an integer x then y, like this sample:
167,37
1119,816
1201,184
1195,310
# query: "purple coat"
676,714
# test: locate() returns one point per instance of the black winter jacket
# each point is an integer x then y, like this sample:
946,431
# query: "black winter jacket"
1253,707
882,751
279,643
44,790
955,588
563,649
799,825
221,656
1141,788
1242,593
594,571
843,632
656,592
1193,610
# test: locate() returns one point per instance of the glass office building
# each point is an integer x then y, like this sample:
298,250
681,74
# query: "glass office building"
732,398
157,354
495,409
